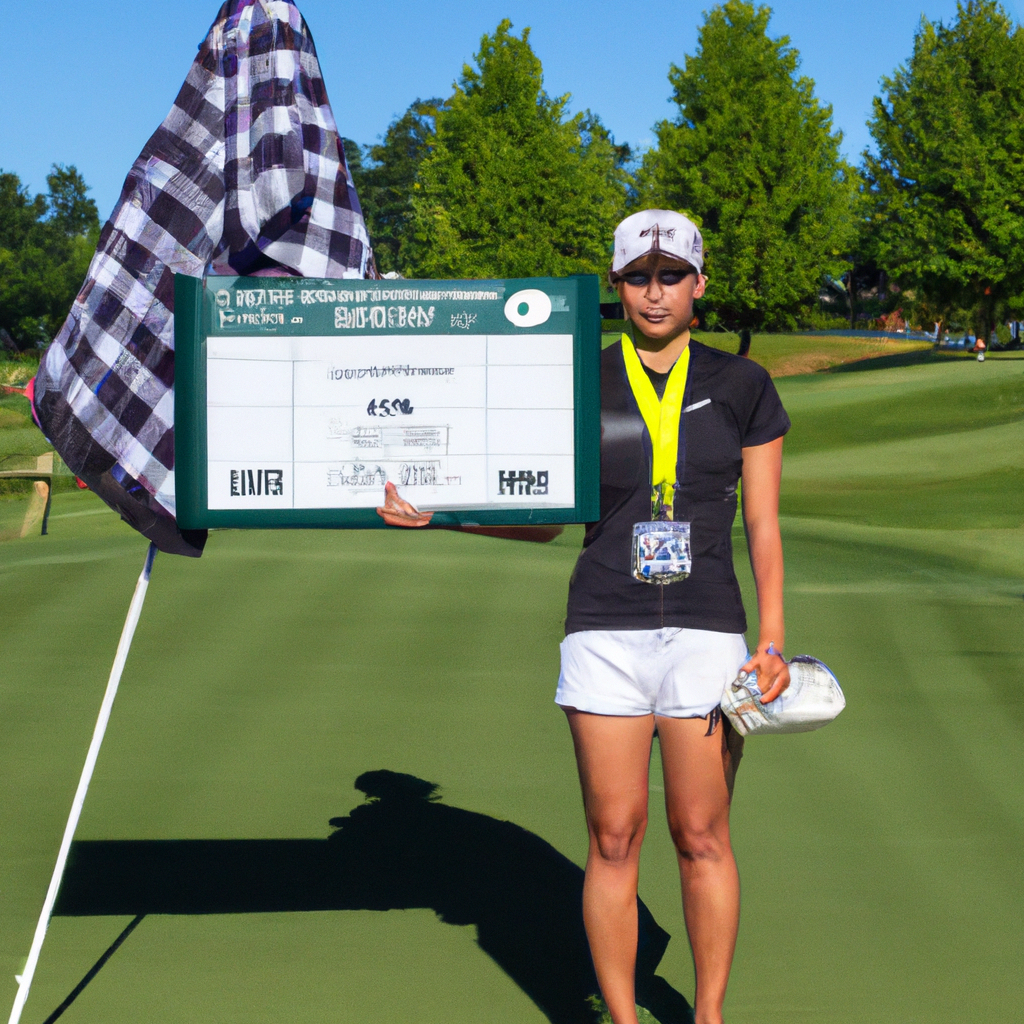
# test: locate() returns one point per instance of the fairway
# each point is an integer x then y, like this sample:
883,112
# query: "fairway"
881,857
786,355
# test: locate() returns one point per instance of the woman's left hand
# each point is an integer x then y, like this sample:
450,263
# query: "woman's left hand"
772,673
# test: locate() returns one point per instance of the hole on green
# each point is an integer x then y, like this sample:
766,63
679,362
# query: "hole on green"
523,308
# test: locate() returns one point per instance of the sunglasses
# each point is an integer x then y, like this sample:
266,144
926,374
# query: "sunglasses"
666,276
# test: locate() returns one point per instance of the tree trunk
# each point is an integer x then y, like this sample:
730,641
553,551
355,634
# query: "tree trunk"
852,293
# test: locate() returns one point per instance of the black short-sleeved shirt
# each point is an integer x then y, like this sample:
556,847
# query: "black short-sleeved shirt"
730,404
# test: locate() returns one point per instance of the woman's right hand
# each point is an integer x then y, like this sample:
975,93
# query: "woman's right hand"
397,512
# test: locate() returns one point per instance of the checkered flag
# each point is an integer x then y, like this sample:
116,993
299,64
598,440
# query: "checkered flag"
246,175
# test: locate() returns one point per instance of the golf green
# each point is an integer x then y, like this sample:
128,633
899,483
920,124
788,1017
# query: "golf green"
881,857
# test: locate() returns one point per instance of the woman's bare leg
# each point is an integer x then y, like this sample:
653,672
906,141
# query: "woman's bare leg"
613,754
699,771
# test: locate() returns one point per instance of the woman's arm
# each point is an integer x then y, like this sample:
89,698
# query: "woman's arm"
396,511
762,475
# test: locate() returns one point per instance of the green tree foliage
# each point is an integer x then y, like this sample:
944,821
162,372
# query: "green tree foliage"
948,180
752,158
46,243
385,183
506,184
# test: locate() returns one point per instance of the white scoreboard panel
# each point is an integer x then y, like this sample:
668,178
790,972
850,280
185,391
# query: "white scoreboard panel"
325,422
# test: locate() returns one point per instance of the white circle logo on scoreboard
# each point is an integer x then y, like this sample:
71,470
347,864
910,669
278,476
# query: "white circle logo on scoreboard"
528,308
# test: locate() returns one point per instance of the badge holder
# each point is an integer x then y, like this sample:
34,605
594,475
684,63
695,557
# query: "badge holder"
661,551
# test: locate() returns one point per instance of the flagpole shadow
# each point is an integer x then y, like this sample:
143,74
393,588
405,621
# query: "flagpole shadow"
401,849
95,969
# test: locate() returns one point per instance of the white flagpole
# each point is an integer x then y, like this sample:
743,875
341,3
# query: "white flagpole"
134,612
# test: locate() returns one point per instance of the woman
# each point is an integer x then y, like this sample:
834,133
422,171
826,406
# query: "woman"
655,622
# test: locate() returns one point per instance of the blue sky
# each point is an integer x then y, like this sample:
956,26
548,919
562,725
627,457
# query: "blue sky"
88,83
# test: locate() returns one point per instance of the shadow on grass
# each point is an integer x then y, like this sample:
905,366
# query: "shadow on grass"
401,849
916,358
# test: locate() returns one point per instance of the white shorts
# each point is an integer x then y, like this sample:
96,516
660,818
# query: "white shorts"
678,673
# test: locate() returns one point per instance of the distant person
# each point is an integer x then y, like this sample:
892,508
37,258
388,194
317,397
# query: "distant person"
645,649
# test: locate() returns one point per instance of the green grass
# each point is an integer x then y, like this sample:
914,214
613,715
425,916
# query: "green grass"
938,395
18,434
16,368
21,442
20,438
937,445
880,856
786,355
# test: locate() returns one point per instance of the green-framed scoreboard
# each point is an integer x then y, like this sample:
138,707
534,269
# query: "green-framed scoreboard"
297,399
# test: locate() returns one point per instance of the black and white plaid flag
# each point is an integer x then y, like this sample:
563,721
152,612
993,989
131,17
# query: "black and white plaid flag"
246,175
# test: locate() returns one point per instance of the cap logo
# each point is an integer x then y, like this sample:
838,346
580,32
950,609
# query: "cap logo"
669,233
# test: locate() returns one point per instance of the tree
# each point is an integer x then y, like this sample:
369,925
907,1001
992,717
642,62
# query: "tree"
20,211
948,179
507,184
46,243
386,180
752,158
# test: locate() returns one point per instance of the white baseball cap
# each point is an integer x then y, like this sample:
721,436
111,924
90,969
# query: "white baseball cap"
662,231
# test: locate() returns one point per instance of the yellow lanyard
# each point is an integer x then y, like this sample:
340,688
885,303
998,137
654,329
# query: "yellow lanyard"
662,420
